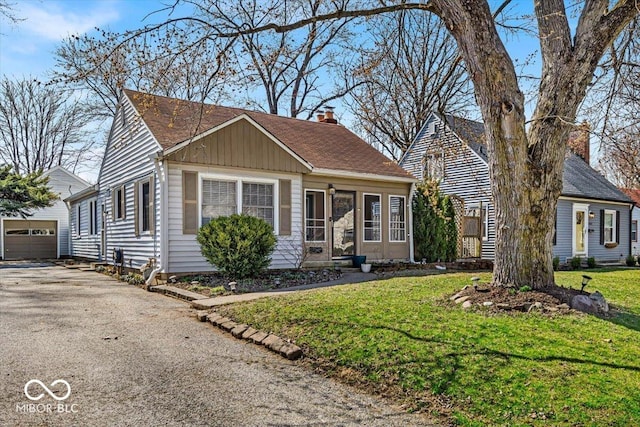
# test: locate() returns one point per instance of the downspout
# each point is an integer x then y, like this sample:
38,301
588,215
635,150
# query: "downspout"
410,234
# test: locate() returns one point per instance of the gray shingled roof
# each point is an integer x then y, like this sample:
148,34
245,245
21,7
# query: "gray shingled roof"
578,178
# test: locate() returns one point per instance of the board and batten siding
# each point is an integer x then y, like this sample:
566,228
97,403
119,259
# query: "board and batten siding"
127,162
184,251
465,174
239,145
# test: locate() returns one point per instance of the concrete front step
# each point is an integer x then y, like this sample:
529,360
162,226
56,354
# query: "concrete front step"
178,293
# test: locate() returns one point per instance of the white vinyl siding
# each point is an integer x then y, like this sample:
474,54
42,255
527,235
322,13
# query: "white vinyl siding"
128,162
184,250
466,174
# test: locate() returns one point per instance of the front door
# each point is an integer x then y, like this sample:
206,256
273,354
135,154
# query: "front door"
580,230
343,230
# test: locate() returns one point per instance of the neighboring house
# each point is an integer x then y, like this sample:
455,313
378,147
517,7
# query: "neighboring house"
592,217
45,234
171,165
634,194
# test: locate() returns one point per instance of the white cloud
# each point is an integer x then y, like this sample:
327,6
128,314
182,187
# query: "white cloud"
53,22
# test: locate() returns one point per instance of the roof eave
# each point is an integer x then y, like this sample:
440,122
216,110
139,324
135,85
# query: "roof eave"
362,175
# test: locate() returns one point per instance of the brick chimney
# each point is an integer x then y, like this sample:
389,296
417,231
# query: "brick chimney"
579,141
328,115
320,116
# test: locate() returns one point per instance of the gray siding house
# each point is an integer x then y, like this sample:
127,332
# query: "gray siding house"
46,233
172,165
592,218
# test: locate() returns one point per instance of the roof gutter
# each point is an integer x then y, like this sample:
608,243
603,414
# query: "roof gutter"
89,191
361,175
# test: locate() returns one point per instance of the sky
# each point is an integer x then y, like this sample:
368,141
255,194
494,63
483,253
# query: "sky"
27,47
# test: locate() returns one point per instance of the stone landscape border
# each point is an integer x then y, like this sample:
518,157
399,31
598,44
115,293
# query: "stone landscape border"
246,332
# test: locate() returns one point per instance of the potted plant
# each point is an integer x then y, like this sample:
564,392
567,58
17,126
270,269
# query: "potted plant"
365,267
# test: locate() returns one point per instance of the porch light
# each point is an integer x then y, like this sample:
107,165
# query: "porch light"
585,281
332,189
591,215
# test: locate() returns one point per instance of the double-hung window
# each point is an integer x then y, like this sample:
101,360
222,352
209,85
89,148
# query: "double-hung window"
314,216
93,217
220,198
257,200
634,231
433,166
119,203
397,219
609,226
372,220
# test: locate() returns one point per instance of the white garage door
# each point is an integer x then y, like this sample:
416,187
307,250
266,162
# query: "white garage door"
30,239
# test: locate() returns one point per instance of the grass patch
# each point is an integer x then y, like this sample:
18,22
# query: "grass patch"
402,337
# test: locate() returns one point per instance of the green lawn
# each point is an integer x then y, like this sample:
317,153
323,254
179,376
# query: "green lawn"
402,337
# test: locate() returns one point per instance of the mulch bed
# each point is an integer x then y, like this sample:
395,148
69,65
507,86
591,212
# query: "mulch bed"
509,299
268,280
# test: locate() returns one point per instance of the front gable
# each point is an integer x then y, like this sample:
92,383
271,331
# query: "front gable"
239,144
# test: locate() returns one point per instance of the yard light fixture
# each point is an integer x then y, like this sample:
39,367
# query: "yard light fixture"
233,286
585,281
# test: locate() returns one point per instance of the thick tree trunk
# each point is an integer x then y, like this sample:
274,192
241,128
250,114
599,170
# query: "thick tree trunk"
526,168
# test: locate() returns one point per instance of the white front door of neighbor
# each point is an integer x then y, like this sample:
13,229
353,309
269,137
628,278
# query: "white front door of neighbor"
580,230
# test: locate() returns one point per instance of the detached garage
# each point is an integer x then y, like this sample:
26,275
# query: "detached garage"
45,234
30,239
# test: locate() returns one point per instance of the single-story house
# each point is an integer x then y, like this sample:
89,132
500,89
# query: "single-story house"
592,217
634,194
45,234
172,165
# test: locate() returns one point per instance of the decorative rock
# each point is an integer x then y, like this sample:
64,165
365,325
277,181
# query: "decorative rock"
599,301
195,283
455,297
291,351
552,309
258,337
466,304
461,299
564,306
583,303
535,306
487,303
465,287
202,315
249,332
239,330
503,306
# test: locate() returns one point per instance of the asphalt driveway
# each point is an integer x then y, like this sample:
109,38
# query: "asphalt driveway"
133,358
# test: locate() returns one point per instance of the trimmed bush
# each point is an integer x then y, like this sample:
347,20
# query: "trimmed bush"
631,261
591,262
239,246
556,263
